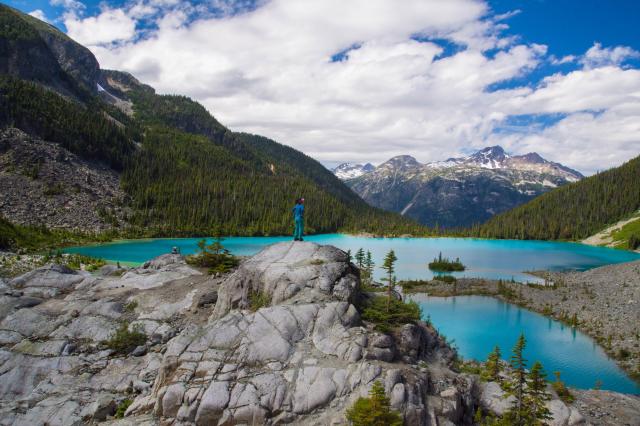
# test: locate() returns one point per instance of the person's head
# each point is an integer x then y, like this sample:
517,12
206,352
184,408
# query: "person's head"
301,200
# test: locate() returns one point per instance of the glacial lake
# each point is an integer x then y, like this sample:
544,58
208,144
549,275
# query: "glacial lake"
478,323
492,259
475,323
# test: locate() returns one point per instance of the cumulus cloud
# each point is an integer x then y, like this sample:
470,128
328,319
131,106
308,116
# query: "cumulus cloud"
414,77
109,26
38,13
68,4
598,56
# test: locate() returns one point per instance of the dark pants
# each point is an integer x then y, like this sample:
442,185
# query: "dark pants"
297,233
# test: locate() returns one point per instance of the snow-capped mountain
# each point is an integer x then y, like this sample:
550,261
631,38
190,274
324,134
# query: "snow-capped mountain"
459,191
494,157
349,170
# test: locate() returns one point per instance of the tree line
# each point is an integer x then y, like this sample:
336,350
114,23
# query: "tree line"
573,211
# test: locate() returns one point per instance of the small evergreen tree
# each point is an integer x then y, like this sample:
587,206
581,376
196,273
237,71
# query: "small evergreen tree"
389,267
366,272
492,367
360,258
517,414
374,410
561,389
537,394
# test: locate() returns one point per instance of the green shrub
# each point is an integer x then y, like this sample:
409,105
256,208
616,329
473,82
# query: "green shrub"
124,340
386,313
561,389
623,353
122,408
54,189
131,306
445,278
444,264
213,256
408,285
374,410
75,261
258,299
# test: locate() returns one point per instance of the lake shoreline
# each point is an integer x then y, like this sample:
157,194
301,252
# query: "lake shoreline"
557,301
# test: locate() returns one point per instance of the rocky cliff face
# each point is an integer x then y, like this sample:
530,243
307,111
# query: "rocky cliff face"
34,50
460,191
45,184
303,359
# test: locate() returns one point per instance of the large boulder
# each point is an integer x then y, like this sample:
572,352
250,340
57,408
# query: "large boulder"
48,281
292,272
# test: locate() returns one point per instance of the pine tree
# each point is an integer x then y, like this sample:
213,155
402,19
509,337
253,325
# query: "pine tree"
517,414
360,258
389,267
367,271
537,394
491,372
375,410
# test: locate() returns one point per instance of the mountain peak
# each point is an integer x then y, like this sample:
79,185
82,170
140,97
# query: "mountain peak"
491,157
350,170
401,161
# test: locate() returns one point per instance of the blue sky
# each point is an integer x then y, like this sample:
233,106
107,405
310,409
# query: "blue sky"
566,26
368,79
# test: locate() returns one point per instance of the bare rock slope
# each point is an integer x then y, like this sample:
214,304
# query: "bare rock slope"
45,184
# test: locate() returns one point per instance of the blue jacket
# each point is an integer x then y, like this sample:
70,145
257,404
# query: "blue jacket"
298,211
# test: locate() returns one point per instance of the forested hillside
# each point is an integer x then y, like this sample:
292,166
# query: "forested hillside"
194,176
184,173
572,212
83,129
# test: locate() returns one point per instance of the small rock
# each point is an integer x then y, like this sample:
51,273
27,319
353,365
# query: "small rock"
208,298
102,407
69,349
139,350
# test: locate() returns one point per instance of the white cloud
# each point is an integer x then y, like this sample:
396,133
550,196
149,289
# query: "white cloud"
109,26
38,13
68,4
567,59
597,56
269,71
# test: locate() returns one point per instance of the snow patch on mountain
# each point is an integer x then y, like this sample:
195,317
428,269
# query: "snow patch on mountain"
350,171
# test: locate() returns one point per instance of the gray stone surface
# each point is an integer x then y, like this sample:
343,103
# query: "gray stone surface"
283,271
301,360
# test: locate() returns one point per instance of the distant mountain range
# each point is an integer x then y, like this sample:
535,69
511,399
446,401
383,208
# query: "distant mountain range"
456,192
88,149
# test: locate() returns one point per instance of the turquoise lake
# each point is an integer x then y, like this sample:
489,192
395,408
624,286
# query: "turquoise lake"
491,259
478,323
475,323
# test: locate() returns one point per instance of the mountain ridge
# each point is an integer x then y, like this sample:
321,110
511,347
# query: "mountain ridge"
460,191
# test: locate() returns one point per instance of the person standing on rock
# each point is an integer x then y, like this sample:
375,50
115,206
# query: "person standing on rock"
298,218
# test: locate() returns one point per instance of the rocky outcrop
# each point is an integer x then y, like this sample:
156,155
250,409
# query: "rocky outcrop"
304,359
210,359
45,184
290,274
